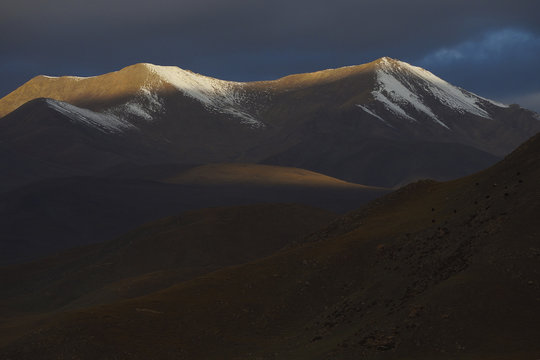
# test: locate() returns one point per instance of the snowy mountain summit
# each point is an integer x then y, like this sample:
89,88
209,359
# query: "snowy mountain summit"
135,95
399,96
226,97
142,93
409,92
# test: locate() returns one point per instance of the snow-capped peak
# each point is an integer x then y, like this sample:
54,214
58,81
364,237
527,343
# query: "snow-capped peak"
218,95
401,87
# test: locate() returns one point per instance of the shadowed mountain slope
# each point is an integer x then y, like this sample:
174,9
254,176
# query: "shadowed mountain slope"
432,271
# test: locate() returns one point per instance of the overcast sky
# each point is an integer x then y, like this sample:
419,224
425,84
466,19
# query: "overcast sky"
490,47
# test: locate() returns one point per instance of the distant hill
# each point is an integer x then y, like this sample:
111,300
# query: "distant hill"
57,214
255,174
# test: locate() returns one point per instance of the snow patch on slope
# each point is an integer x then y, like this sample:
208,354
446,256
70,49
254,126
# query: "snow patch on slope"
393,92
372,113
493,102
78,78
137,109
218,95
145,105
390,105
103,122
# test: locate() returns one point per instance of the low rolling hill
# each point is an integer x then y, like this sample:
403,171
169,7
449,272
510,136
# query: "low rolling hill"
257,174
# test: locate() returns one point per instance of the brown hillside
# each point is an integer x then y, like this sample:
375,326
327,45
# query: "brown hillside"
155,256
256,174
93,92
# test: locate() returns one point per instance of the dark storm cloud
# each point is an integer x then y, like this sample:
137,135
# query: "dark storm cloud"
238,23
244,39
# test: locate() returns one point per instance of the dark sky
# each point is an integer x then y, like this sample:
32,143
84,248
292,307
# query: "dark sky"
490,47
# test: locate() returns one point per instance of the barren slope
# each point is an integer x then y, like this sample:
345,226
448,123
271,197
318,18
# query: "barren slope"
156,255
256,174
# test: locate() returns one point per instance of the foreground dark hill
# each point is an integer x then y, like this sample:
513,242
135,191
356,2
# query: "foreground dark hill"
57,214
157,255
382,124
432,271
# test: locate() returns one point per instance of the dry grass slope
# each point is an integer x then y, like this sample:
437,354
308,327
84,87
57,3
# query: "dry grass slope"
151,257
256,174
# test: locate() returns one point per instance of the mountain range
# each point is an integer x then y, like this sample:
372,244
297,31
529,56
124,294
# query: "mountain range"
381,124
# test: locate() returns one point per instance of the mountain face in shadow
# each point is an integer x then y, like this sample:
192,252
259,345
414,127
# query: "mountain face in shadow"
431,271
